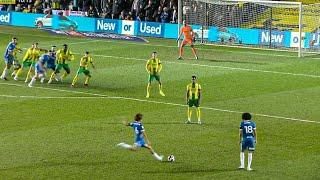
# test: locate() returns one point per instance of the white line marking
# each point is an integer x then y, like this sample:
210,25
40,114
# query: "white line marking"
203,49
140,100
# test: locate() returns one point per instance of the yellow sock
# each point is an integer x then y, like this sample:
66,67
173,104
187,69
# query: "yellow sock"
74,80
189,113
199,114
53,75
19,72
87,80
148,88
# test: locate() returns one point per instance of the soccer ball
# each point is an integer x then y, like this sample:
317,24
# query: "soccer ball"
171,158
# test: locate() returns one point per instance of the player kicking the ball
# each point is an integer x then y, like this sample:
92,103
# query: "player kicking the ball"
140,138
188,33
248,139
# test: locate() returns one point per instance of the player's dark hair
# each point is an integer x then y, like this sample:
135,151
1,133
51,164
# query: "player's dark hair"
246,116
87,52
194,77
154,52
15,38
138,117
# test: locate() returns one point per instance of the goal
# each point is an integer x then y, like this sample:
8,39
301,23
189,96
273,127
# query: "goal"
276,25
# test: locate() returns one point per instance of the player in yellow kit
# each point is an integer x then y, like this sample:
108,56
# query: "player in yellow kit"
84,63
193,98
63,56
26,61
154,67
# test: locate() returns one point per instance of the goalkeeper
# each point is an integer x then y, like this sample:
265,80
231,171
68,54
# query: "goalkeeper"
188,33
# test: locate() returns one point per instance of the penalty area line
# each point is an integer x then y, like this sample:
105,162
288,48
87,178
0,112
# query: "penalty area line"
102,96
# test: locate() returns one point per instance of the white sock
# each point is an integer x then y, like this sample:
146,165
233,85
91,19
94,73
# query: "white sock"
241,159
125,146
42,80
4,73
159,158
249,160
33,80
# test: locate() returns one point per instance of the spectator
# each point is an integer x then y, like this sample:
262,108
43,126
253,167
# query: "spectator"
28,9
38,7
135,8
109,9
174,15
64,4
149,11
122,15
70,6
157,14
141,14
92,12
17,8
164,15
46,4
55,4
85,5
115,9
130,16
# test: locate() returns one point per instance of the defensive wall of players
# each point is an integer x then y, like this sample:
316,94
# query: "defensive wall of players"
256,37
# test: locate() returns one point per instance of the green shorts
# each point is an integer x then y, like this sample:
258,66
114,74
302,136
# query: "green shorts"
153,77
64,66
26,64
84,71
193,102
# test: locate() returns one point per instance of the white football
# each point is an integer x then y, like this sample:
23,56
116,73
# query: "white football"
171,158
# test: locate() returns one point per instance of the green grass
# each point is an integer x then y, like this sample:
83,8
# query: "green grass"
65,138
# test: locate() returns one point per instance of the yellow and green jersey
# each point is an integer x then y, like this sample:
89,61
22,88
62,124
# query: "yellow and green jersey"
36,54
29,55
193,90
154,65
84,62
63,56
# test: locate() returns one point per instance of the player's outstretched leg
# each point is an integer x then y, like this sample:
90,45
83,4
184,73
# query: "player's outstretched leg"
199,115
180,52
249,161
154,154
241,160
19,72
29,74
125,146
148,90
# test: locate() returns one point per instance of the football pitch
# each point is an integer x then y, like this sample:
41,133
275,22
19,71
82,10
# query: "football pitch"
52,131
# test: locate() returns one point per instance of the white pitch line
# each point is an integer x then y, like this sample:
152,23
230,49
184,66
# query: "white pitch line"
214,66
203,49
101,96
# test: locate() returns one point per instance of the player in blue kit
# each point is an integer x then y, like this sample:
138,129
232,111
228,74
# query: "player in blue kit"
9,57
40,69
141,139
248,139
51,64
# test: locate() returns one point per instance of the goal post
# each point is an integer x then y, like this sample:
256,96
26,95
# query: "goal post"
275,25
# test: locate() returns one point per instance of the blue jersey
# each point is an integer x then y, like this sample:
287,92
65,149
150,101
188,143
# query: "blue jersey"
138,130
11,46
247,128
44,59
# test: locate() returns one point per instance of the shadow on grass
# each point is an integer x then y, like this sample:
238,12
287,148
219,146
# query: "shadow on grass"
182,171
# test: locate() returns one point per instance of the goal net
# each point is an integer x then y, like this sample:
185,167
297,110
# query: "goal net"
267,24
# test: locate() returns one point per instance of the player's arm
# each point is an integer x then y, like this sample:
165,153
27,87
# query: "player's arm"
187,95
26,56
199,95
160,66
126,123
43,50
255,135
147,67
240,135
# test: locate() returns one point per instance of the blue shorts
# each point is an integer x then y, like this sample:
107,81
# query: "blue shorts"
248,144
9,59
38,69
51,66
141,143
